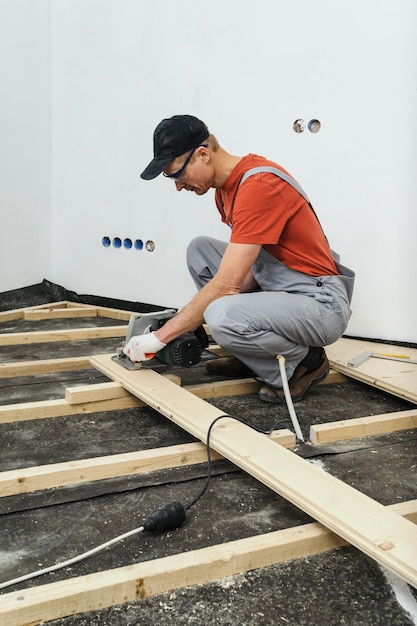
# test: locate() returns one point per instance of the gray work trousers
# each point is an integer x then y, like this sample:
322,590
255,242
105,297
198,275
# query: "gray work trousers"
290,312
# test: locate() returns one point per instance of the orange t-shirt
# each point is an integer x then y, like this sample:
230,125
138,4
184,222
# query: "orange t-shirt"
268,211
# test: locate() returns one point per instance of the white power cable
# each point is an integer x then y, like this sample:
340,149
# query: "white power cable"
288,399
75,559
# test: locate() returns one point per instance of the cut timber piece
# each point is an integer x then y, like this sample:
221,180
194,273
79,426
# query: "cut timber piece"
363,426
27,480
95,393
361,521
71,334
396,377
104,391
92,592
59,313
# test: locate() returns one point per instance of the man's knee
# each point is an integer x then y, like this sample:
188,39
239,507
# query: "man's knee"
215,314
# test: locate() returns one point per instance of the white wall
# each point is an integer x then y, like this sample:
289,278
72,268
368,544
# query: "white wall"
25,249
120,66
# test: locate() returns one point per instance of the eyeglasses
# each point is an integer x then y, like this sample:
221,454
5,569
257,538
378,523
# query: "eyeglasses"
178,173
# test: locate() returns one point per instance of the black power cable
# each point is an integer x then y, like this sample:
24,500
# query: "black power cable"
168,517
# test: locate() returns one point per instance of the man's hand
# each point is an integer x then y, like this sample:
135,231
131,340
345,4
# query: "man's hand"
143,347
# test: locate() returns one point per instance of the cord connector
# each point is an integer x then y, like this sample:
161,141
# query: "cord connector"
168,517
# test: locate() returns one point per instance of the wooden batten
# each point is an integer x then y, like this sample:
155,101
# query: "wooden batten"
44,366
71,334
27,480
59,313
364,426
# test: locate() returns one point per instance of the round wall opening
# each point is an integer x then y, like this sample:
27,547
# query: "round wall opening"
299,126
314,126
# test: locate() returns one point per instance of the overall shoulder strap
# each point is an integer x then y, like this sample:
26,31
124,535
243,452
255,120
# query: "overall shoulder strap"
274,170
288,179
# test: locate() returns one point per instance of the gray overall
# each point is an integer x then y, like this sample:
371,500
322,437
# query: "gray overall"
291,311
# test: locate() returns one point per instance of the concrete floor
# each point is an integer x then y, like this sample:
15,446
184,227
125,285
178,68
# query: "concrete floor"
338,587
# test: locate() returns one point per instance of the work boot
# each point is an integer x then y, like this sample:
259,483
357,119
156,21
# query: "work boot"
228,366
311,371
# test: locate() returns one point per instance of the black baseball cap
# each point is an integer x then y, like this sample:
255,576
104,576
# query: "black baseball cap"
173,137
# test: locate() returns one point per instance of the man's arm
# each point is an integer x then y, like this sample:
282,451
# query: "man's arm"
233,276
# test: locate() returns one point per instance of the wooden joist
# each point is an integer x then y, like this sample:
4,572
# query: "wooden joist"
92,592
319,433
34,315
27,480
363,426
44,366
109,391
109,397
105,397
71,334
45,409
361,521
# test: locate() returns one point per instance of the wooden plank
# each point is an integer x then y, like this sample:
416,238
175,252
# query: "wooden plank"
95,393
117,314
17,314
58,408
76,305
92,592
363,426
59,313
363,522
95,398
44,366
27,480
103,391
107,391
70,334
396,377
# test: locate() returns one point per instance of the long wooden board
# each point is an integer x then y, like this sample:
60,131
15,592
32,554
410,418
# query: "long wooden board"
30,479
363,426
44,366
319,433
363,522
396,377
92,592
44,409
34,315
70,334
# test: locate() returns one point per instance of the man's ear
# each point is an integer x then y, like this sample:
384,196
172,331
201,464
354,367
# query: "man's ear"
205,154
